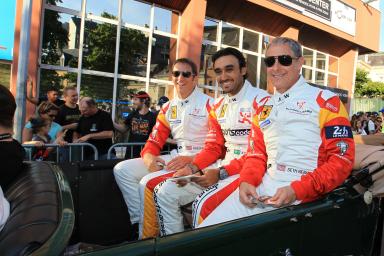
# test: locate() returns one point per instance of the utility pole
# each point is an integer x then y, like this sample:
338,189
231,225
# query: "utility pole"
22,68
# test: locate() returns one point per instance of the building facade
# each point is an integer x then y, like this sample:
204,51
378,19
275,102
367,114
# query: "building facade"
109,49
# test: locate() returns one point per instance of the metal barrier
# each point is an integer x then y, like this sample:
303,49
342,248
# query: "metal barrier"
121,152
69,145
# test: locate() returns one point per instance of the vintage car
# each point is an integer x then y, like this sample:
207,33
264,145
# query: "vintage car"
77,208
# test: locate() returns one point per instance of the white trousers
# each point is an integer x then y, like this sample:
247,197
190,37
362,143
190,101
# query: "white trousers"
231,208
128,174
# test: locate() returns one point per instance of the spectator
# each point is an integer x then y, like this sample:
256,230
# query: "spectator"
51,96
382,117
162,100
12,153
40,137
357,128
139,123
69,113
95,126
378,124
46,110
371,124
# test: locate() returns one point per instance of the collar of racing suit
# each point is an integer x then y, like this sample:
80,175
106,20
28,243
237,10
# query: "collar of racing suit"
281,97
188,99
240,94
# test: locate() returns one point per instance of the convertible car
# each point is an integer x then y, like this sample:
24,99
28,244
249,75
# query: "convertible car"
77,209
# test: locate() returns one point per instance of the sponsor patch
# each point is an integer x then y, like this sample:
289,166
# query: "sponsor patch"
173,112
236,132
343,147
265,123
223,110
338,132
265,112
245,115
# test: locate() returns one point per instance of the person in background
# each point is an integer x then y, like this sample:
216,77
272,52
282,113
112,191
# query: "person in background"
46,110
95,126
69,113
139,123
12,153
52,95
40,137
382,117
160,103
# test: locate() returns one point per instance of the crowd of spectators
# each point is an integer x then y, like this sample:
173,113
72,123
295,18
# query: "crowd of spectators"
367,123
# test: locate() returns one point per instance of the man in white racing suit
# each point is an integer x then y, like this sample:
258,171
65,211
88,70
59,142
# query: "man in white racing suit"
186,117
301,144
230,122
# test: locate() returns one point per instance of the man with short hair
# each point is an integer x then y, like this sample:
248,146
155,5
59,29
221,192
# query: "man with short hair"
301,143
230,123
139,123
186,118
51,96
95,126
69,113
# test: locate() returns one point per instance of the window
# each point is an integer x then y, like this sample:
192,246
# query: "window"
230,35
61,35
143,60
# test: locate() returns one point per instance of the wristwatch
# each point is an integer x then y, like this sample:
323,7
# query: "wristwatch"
223,173
194,168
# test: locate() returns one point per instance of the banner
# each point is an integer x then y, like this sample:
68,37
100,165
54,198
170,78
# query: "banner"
334,13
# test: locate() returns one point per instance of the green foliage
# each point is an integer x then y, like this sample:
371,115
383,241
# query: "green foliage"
365,87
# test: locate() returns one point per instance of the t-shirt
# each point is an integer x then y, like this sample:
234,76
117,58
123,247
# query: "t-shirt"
371,126
57,102
99,122
139,126
41,154
11,159
67,116
55,129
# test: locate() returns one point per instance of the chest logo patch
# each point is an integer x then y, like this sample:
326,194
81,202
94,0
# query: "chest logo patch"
223,110
173,112
265,112
245,115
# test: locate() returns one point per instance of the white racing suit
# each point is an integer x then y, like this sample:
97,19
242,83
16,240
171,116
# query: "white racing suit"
230,123
302,139
187,120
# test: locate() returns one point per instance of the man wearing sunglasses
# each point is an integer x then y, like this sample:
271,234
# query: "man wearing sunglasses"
230,123
186,118
301,144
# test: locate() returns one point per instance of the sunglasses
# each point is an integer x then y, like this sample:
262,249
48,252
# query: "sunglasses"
185,74
284,60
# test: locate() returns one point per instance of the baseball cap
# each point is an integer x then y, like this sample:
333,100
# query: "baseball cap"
141,95
162,100
381,110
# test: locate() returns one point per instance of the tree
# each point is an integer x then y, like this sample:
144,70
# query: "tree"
365,87
361,79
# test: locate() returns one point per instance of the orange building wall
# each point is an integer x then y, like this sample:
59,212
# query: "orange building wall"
33,48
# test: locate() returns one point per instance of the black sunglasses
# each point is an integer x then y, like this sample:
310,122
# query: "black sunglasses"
284,60
185,74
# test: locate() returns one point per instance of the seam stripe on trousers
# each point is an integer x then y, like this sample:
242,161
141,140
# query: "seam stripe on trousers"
150,225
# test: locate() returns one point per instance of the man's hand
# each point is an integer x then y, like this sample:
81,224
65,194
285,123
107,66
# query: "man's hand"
179,162
61,142
82,139
284,196
153,163
186,170
209,178
246,193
